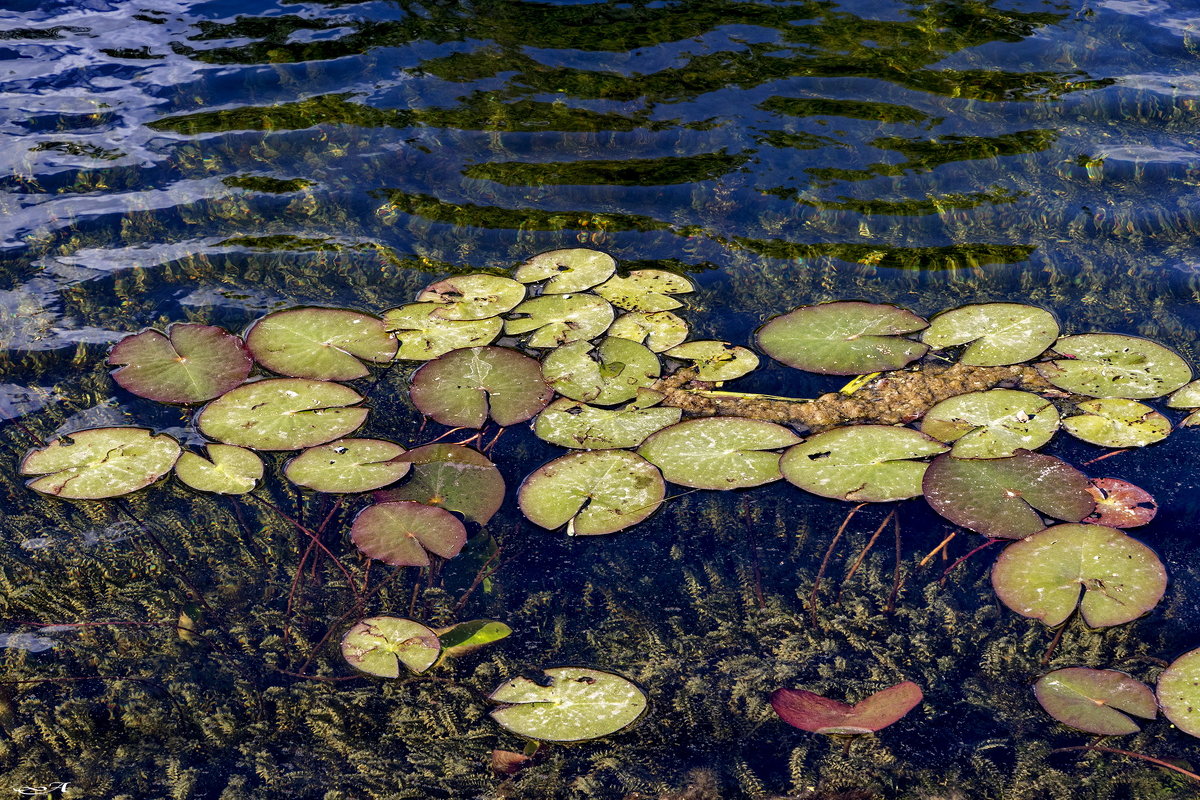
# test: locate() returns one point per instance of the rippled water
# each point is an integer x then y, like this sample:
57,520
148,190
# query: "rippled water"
212,160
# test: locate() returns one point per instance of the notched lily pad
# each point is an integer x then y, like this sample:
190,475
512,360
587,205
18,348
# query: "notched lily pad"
1095,700
658,330
403,533
844,338
348,466
592,493
645,290
992,424
610,373
465,637
567,271
719,452
379,645
558,319
283,414
463,388
452,476
1120,504
716,361
190,364
1113,365
227,470
466,297
424,335
1116,422
570,423
572,704
998,333
1042,576
327,344
100,462
861,463
811,712
1179,692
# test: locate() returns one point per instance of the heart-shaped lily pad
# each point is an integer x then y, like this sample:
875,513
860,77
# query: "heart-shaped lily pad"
719,452
1001,497
592,493
403,533
463,388
465,637
567,271
190,364
992,424
658,330
610,373
283,414
100,462
1186,397
227,470
1116,422
1179,692
1042,576
327,344
379,645
1113,365
424,335
452,476
1120,504
861,463
716,361
348,465
812,712
558,319
569,423
466,297
572,704
999,333
1095,700
845,338
645,290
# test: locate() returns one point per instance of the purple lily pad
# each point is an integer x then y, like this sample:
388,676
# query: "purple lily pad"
1120,504
1095,700
812,712
846,338
189,364
403,533
452,476
463,388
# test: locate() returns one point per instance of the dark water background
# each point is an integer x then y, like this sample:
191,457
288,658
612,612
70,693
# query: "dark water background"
209,161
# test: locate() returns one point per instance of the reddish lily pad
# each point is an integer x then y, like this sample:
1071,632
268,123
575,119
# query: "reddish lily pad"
348,466
379,645
1095,700
1120,504
463,388
452,476
190,364
403,533
283,414
326,344
812,712
100,462
845,338
1179,692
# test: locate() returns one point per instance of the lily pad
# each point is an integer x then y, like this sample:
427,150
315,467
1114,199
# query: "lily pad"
719,452
348,465
716,361
658,330
559,319
1042,576
1179,692
812,712
1116,422
1186,397
424,335
327,344
992,424
845,338
1095,700
861,463
998,333
227,470
645,290
463,388
592,493
452,476
567,271
403,533
468,636
610,373
1002,497
569,423
379,645
190,364
572,704
1120,504
100,462
283,414
1112,365
466,297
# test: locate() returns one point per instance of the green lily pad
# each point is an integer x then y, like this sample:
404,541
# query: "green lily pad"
348,466
645,290
1186,397
424,335
1179,692
464,637
592,493
283,414
999,333
466,297
452,476
1120,504
403,533
567,271
716,361
1095,700
861,463
1042,576
992,424
846,338
559,319
610,373
327,344
1116,422
463,388
1112,365
658,330
227,470
570,423
814,713
719,452
100,462
1001,497
190,364
573,704
379,645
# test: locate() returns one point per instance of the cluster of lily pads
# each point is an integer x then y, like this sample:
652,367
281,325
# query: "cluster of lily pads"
581,352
